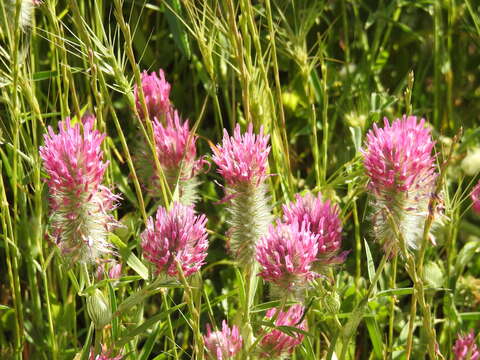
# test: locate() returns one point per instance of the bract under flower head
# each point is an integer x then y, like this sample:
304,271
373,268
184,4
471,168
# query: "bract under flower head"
398,158
80,204
286,255
476,198
465,346
322,219
157,95
224,344
277,343
242,159
176,236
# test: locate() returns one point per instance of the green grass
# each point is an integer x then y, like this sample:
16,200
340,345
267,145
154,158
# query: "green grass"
316,75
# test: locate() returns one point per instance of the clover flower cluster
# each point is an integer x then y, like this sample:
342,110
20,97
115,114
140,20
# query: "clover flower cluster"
400,166
227,343
300,248
286,255
224,344
177,237
156,91
465,347
323,220
81,206
174,143
278,344
242,160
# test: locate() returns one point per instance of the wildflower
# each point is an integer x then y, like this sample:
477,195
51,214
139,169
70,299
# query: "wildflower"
242,160
465,347
323,220
176,236
157,95
225,344
401,169
286,255
278,344
114,272
176,152
104,355
476,197
80,204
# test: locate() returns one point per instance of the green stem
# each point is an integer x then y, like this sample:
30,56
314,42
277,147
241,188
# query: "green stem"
350,327
166,305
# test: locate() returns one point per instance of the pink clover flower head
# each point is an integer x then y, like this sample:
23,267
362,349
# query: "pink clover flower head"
175,143
277,343
242,159
157,94
286,255
398,158
476,198
176,236
401,168
465,346
224,344
323,220
80,204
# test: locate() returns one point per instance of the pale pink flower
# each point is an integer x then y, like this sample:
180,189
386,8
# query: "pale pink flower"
401,168
114,270
464,346
104,355
277,343
157,95
176,236
476,198
286,255
80,204
242,158
224,344
323,220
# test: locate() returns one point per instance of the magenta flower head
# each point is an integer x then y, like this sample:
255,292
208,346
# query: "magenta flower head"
242,160
476,198
80,204
175,143
465,347
400,166
177,236
286,256
225,344
157,95
278,344
323,220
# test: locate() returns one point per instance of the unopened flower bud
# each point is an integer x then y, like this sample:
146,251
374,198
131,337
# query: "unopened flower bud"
99,309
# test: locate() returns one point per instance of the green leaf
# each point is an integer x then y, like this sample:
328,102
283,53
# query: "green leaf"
375,336
173,13
129,257
370,263
131,333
